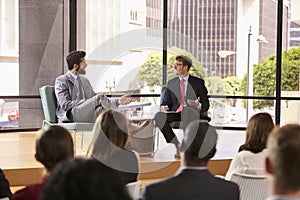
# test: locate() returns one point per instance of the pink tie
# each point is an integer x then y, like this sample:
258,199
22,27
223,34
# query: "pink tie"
179,109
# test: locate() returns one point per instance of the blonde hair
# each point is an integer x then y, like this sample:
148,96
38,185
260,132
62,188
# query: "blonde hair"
110,133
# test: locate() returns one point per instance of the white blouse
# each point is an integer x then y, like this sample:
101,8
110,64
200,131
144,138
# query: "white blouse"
246,162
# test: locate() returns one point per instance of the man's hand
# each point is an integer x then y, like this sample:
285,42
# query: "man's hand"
125,99
194,103
164,108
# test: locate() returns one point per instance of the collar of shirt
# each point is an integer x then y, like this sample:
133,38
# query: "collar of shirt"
73,75
185,78
189,167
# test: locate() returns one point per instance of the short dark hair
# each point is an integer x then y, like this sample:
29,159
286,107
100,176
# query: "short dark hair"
84,179
74,57
185,61
54,144
199,143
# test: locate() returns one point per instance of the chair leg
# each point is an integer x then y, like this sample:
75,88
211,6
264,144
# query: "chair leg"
81,143
74,141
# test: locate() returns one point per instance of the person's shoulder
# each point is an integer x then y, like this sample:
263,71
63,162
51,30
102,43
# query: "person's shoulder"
227,184
172,80
61,77
191,77
246,153
29,192
161,183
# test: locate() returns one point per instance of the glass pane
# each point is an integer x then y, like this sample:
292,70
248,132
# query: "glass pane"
291,57
9,47
233,112
290,112
124,45
20,113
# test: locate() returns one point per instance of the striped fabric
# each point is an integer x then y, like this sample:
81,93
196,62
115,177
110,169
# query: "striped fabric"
133,189
252,187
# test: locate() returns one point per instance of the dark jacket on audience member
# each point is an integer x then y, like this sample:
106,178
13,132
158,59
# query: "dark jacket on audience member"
190,184
4,186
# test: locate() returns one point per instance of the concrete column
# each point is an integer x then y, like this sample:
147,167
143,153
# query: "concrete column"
43,43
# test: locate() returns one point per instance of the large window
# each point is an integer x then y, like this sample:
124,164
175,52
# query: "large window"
232,44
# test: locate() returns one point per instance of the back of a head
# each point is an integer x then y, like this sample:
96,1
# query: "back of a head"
284,156
110,134
54,144
84,179
259,127
199,143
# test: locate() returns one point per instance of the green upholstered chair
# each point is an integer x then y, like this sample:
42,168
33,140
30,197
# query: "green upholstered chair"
49,104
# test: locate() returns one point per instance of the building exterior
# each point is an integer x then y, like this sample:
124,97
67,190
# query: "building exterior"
205,27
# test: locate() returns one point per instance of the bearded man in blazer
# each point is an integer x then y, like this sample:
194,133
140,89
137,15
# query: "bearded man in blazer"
195,104
193,181
76,99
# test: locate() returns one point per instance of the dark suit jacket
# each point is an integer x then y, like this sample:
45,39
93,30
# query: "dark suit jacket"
4,186
192,184
195,89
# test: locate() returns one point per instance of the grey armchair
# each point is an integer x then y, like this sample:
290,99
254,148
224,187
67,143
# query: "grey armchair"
49,104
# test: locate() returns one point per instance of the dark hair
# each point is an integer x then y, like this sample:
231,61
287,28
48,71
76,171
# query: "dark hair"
199,143
53,145
185,60
259,127
74,57
84,179
110,134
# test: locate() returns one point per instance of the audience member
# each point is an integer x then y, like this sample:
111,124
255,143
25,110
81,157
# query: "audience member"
54,144
252,154
185,99
193,180
4,186
108,145
84,179
283,161
76,98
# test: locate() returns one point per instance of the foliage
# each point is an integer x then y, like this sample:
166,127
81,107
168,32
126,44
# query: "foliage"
232,87
264,80
151,70
214,85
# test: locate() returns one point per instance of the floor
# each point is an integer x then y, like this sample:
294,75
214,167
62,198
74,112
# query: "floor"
227,146
17,156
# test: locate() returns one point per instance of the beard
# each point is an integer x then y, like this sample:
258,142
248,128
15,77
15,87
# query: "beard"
81,71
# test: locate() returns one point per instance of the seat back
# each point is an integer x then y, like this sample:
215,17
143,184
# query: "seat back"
49,103
251,186
133,189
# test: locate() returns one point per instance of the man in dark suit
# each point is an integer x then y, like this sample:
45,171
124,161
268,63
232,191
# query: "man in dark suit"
185,99
193,180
